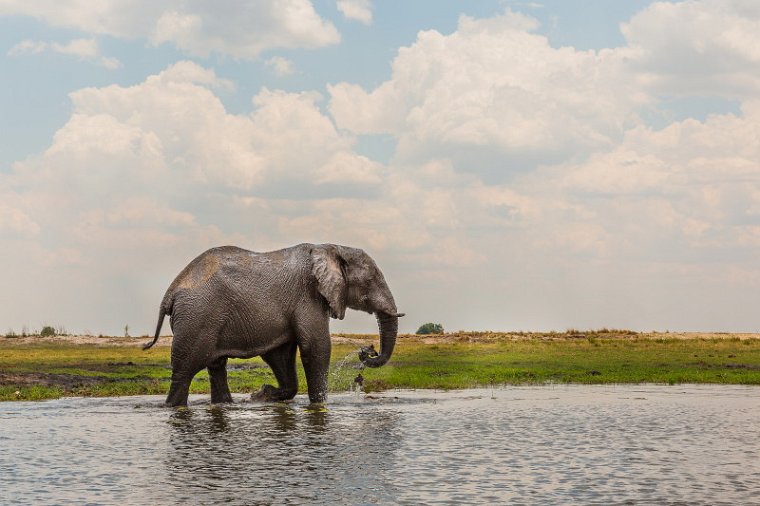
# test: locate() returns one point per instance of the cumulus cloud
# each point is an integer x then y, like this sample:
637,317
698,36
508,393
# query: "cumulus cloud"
359,10
244,31
28,47
494,95
518,103
238,29
708,47
173,122
190,73
685,194
84,49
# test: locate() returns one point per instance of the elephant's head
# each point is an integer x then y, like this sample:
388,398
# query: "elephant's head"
348,277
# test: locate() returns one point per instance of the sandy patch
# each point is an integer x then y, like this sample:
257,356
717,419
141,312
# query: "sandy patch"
85,339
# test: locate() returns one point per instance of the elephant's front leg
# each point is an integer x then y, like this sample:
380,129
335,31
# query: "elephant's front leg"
220,390
315,356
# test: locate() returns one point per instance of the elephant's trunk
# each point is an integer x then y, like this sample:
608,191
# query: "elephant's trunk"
388,326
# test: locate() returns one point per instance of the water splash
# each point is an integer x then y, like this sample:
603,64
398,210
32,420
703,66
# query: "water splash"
343,375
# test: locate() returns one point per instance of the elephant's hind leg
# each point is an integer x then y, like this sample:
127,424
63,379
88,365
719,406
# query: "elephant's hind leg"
180,388
282,360
183,372
217,373
195,337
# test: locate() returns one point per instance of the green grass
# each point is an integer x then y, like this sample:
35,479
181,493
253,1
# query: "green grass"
589,361
44,371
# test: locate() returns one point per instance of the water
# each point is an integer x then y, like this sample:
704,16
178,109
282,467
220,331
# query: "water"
522,445
344,374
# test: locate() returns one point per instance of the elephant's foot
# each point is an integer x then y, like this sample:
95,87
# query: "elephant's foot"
217,375
178,393
221,398
318,398
174,402
268,393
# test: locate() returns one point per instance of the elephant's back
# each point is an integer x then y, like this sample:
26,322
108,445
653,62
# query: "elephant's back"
236,275
205,266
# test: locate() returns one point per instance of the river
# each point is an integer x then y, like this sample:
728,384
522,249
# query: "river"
642,444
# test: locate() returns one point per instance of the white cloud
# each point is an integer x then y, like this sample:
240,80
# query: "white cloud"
28,47
16,221
359,10
496,98
111,17
280,66
186,72
238,29
174,122
686,192
84,49
496,95
493,95
345,167
708,47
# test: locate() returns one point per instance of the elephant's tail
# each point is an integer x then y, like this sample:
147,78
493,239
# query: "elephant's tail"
164,310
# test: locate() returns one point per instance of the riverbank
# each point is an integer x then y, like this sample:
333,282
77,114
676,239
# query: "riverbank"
34,368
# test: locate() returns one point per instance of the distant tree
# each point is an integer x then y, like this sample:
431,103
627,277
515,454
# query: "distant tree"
126,331
430,328
47,331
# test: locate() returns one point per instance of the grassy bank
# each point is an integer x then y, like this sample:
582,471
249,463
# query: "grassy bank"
31,371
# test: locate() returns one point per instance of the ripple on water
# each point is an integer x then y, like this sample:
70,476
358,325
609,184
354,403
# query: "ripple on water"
532,445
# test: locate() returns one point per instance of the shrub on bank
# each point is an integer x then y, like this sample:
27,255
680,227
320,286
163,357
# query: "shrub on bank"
430,328
47,331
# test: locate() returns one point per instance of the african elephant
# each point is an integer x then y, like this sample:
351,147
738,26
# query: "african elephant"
231,302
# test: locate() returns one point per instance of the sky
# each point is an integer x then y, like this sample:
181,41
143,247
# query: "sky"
509,165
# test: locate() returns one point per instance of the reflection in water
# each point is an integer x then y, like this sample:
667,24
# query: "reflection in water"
545,445
274,452
219,420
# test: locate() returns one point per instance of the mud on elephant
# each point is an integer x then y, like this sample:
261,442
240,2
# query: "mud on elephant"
231,302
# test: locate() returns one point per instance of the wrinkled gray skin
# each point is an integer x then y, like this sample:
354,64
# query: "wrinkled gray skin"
231,302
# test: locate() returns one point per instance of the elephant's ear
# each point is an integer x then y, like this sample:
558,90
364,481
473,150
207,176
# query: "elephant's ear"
328,268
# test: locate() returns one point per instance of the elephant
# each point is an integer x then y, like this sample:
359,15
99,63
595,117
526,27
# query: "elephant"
230,302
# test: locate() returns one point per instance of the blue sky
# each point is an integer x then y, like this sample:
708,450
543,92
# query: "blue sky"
510,165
